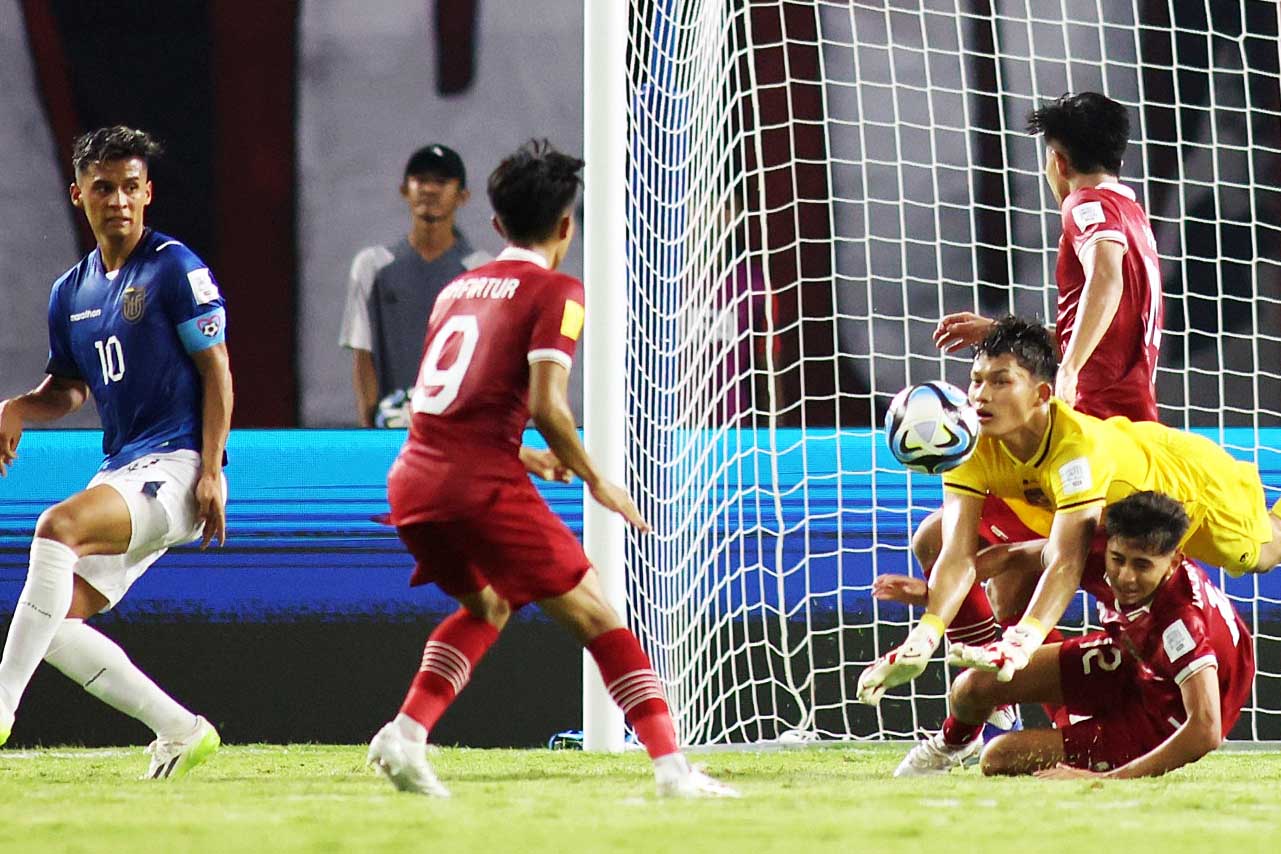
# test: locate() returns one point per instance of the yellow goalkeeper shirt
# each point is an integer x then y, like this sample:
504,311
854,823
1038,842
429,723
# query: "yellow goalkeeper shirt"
1083,460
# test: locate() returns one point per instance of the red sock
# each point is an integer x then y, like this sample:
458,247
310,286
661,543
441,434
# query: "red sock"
451,652
957,734
631,681
974,623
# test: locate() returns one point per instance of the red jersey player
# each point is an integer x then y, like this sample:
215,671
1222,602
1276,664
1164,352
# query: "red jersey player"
1162,685
498,351
1108,331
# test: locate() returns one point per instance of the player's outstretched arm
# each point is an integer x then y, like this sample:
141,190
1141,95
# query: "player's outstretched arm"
1064,556
215,375
549,407
1099,301
955,571
1199,735
949,583
49,401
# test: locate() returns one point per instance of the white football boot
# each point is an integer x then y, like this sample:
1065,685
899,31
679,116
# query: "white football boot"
676,778
933,756
173,758
404,762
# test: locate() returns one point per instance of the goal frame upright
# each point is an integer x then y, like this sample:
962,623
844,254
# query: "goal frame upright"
605,331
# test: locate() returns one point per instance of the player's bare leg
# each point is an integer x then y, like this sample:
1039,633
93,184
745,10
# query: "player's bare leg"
975,695
1013,571
1023,752
95,521
631,681
399,750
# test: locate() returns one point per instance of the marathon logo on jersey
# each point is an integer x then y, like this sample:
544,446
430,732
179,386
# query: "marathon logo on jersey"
87,314
1075,476
133,303
1087,214
203,288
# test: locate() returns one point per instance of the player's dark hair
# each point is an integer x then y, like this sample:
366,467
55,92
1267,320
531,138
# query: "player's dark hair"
1092,130
113,143
1027,340
531,190
1151,520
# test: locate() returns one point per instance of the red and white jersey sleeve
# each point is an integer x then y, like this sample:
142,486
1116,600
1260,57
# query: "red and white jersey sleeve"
558,323
1119,377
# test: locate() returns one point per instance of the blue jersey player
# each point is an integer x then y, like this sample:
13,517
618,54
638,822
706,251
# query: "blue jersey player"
139,323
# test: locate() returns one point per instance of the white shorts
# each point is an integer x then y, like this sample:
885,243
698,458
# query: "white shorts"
160,491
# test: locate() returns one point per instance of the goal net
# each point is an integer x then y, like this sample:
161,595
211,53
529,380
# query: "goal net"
810,186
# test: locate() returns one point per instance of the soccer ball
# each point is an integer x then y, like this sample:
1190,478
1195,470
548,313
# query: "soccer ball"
931,427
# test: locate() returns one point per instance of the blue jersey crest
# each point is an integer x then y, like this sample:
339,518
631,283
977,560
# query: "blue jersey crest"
130,337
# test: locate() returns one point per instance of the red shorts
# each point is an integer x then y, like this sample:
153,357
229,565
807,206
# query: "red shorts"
1099,681
1000,524
515,544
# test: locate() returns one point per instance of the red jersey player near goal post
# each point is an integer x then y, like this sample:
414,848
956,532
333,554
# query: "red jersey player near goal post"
1160,687
499,346
1108,327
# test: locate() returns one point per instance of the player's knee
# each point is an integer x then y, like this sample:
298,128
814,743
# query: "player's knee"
592,618
972,693
59,524
490,607
498,613
996,760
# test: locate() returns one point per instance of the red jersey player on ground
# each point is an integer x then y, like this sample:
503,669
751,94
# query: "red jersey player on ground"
1162,685
1108,330
498,351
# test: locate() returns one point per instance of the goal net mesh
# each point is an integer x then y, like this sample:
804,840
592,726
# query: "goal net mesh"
811,185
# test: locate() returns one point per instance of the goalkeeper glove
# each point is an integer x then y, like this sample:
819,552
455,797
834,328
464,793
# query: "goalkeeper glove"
903,663
1006,656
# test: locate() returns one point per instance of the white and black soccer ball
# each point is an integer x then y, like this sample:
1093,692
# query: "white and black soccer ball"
931,427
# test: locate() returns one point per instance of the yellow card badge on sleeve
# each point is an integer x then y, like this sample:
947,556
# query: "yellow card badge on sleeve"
571,322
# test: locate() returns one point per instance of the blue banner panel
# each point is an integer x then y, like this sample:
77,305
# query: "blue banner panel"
304,540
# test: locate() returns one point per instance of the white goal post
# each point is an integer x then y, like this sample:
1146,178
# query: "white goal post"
783,196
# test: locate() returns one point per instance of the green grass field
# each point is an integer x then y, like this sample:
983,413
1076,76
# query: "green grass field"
322,799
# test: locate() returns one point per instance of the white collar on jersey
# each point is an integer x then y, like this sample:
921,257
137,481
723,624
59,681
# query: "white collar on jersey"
1116,187
516,253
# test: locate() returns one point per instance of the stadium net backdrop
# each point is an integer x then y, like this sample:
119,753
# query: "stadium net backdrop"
807,188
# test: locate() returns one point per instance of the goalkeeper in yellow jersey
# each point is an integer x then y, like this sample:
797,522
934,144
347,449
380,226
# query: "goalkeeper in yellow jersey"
1034,448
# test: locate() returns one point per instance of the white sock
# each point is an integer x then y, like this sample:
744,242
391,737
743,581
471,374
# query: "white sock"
42,605
410,728
94,661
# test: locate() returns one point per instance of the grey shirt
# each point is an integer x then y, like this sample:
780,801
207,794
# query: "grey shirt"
390,294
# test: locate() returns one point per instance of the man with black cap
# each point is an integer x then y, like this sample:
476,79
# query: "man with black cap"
392,288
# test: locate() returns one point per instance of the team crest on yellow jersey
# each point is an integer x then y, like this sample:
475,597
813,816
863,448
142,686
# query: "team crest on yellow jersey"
133,303
1036,496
